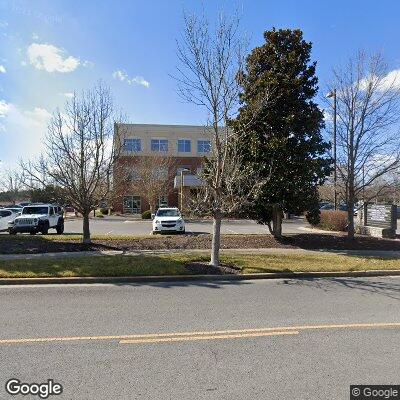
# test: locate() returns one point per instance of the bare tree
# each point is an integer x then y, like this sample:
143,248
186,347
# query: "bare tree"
368,140
79,152
210,62
11,181
150,175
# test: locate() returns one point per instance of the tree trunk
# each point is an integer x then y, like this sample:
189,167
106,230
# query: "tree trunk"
216,241
86,229
350,214
276,221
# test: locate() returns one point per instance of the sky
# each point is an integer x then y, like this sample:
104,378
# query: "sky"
51,49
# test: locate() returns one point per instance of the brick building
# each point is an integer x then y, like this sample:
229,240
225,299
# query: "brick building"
187,145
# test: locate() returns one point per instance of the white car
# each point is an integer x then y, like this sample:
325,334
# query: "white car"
38,218
7,215
168,220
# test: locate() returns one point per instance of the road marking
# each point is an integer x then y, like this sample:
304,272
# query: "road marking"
255,331
205,337
109,232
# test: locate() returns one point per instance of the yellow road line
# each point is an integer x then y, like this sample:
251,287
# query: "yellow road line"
378,325
206,337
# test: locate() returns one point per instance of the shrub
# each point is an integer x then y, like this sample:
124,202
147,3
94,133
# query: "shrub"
313,215
332,220
146,214
104,210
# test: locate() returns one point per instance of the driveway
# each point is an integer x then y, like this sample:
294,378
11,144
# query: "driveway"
125,226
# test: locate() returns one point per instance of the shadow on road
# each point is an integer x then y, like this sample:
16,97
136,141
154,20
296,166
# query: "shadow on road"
383,286
215,284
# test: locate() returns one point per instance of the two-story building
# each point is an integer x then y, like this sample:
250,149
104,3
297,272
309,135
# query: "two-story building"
187,145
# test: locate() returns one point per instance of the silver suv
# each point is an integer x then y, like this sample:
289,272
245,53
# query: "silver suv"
38,218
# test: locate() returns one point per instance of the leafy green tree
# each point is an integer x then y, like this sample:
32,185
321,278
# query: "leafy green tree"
280,126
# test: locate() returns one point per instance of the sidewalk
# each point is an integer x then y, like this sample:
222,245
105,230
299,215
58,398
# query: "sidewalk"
279,251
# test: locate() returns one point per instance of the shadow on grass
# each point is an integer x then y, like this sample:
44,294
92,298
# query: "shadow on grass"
385,286
115,267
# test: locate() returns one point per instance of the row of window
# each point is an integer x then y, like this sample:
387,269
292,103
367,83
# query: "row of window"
162,173
184,145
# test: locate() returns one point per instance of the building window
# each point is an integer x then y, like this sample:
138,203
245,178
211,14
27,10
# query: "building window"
132,205
159,145
135,176
160,173
203,146
184,146
132,145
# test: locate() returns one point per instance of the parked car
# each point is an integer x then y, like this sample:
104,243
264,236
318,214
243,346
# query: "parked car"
168,220
14,209
7,216
37,218
327,206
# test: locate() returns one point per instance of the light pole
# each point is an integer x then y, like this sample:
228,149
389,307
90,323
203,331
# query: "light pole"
183,171
333,95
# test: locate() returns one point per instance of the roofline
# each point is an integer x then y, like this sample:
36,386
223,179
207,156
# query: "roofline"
168,125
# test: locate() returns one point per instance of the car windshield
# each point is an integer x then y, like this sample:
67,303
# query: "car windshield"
168,213
4,213
35,210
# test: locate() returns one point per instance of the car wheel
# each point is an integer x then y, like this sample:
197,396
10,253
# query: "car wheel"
60,228
12,232
32,233
45,229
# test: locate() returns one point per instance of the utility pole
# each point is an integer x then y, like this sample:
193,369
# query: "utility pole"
333,95
183,171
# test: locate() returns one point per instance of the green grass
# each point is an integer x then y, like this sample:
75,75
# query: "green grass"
174,264
93,266
308,262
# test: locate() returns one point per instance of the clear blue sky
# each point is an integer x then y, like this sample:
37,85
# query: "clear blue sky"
50,48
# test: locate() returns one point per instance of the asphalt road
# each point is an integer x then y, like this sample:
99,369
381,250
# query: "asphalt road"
305,355
122,226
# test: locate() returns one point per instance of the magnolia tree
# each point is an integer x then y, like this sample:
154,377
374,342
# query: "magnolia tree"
78,151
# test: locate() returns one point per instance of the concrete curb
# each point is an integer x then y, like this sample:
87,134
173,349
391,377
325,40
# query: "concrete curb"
188,278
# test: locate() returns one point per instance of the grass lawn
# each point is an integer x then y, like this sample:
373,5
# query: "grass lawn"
308,262
174,264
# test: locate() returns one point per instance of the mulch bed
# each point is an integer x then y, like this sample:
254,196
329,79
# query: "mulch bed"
333,241
201,268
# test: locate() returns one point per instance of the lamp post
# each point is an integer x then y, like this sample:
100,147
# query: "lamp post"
332,94
183,171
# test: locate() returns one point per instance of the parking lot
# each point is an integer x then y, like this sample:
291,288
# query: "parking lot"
126,226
